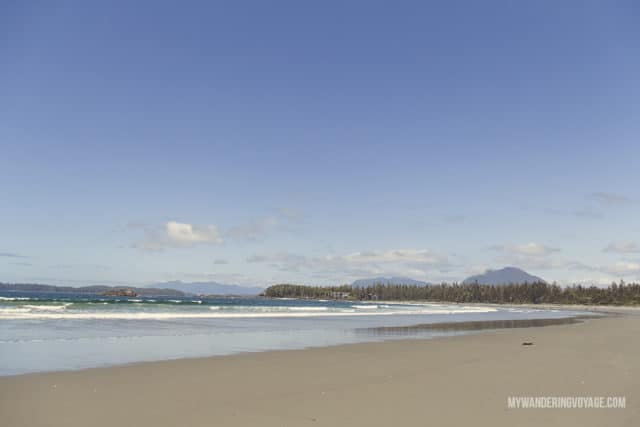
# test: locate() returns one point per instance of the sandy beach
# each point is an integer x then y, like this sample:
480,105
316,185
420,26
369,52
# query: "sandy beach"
462,380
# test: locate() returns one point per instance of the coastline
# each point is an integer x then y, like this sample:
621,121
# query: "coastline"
624,309
48,334
451,380
608,309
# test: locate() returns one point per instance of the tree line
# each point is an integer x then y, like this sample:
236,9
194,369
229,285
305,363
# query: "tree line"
303,291
525,293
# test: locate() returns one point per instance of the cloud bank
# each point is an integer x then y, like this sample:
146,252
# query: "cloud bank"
418,263
622,248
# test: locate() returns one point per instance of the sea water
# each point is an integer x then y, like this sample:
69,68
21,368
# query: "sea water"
53,332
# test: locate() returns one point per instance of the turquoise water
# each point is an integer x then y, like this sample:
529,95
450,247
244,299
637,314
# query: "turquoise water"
52,332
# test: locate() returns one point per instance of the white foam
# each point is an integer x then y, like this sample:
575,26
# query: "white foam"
266,308
22,313
14,298
7,312
366,306
47,307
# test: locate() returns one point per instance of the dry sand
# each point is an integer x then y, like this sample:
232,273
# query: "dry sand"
456,381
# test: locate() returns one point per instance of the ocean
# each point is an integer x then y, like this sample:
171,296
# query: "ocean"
56,332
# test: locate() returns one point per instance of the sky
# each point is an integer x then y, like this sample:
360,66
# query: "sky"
255,142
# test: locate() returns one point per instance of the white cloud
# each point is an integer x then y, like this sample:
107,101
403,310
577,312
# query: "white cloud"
622,248
541,257
624,268
420,256
189,234
527,249
530,255
178,234
416,263
621,269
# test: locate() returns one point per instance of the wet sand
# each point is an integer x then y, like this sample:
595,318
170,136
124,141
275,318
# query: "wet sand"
456,381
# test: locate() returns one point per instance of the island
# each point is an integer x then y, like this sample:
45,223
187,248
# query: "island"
119,292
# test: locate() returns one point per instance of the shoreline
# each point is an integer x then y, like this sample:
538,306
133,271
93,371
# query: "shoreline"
465,327
631,309
450,380
439,330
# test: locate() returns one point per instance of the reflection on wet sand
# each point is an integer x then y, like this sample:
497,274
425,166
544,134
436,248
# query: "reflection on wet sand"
453,327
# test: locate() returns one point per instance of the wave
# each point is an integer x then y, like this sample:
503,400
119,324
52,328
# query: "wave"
275,309
5,313
47,307
266,308
99,300
24,313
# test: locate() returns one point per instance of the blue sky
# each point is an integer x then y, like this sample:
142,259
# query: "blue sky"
318,142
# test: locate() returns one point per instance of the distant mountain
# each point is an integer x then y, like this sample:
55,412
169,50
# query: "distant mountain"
363,283
503,276
209,288
90,290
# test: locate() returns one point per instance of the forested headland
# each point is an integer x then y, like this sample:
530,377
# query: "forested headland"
90,290
526,293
